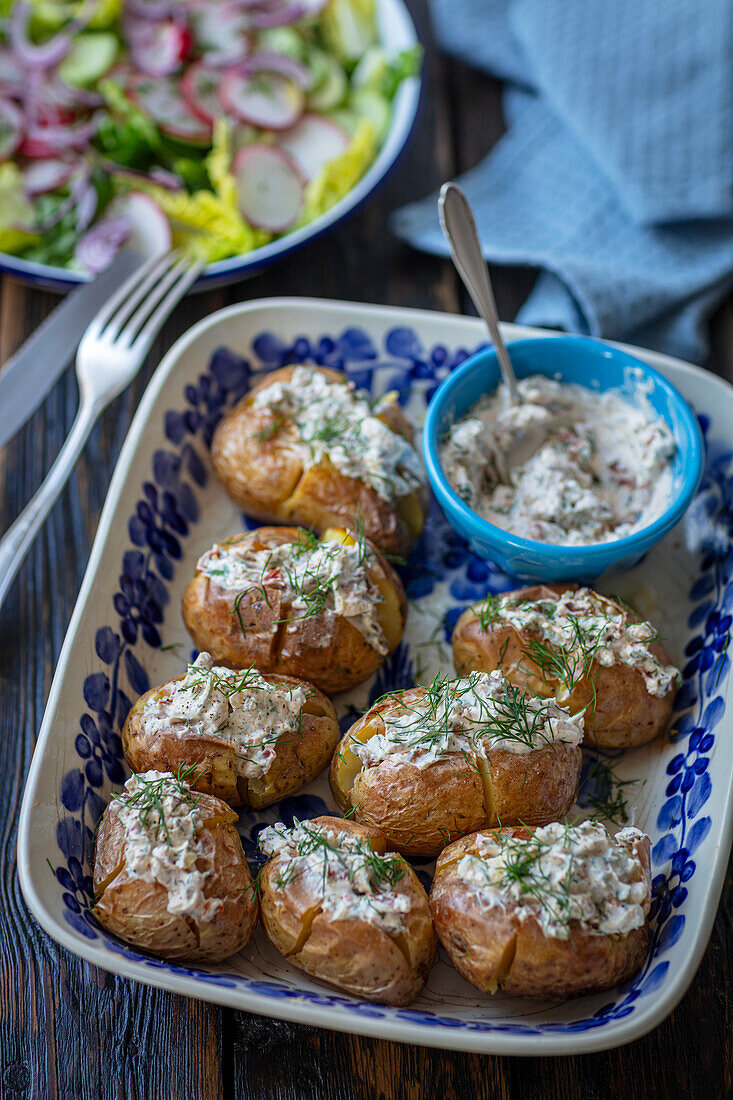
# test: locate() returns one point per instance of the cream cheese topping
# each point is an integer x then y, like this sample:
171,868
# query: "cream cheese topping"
589,627
334,419
564,874
329,579
236,708
161,819
603,471
470,716
350,881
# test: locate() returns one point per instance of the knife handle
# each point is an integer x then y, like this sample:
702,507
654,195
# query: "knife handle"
16,541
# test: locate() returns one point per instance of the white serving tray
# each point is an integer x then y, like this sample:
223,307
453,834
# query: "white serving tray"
164,508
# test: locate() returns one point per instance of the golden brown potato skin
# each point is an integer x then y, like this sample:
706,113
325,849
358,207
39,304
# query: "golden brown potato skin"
301,754
420,810
334,659
136,910
351,954
266,478
491,948
625,714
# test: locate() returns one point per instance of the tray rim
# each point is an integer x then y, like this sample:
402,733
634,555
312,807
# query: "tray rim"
608,1036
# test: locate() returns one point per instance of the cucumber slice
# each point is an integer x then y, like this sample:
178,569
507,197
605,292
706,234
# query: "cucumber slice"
331,90
371,68
283,40
371,105
92,54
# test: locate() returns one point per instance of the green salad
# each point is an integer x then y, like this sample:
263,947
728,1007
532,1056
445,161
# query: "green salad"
212,125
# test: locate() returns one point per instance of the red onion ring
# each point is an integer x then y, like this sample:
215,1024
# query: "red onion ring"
100,245
45,56
272,62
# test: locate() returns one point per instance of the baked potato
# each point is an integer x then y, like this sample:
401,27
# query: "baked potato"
304,446
340,907
431,763
527,911
254,739
170,875
325,610
589,652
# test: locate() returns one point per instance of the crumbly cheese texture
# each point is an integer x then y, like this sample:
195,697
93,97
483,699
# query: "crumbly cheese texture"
334,419
237,709
343,873
603,471
330,579
163,843
584,625
563,875
470,716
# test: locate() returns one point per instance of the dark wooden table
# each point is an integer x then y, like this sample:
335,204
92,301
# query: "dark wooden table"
69,1030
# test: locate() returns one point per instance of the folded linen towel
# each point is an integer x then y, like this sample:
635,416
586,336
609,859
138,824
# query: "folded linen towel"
615,176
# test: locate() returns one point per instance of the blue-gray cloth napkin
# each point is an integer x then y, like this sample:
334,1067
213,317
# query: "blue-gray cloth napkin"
615,176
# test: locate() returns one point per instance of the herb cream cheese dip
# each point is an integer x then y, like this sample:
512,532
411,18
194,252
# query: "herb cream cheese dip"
603,471
468,716
165,840
564,874
237,709
349,879
334,419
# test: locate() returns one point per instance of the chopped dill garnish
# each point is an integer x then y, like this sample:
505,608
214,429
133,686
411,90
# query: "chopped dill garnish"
604,791
487,612
270,430
148,798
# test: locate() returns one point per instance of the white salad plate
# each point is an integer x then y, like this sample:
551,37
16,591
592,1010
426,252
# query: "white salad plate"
396,32
164,507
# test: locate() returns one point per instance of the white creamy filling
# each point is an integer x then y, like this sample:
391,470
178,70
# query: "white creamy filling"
603,472
334,419
329,579
470,717
161,840
563,874
240,709
342,872
582,623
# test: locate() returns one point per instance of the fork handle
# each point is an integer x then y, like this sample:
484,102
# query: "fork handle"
16,542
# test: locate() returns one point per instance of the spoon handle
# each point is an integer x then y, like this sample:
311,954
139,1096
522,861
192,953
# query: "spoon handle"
459,227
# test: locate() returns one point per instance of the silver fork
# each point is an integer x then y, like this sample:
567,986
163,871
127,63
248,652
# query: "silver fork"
110,354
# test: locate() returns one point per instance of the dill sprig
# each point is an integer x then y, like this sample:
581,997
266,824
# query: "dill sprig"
488,611
523,865
385,870
270,430
570,663
603,790
148,798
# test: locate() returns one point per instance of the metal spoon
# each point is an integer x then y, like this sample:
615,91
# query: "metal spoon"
459,226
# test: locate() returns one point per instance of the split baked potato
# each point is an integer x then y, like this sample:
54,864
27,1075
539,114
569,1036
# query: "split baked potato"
325,610
336,904
170,875
589,652
302,446
513,911
415,767
253,739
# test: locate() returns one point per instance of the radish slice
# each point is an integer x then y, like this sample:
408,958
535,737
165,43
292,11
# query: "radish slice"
200,89
149,231
269,187
314,142
222,29
158,48
267,100
11,128
269,61
46,175
162,100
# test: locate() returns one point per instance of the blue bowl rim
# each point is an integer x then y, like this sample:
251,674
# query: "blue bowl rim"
637,542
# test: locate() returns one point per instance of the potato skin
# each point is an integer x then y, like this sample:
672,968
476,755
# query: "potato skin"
420,810
301,755
491,948
136,910
267,480
351,954
625,714
333,658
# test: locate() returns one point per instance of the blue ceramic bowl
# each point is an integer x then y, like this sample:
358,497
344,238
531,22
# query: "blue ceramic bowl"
597,366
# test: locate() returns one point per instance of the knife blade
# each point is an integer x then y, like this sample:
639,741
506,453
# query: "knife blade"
29,374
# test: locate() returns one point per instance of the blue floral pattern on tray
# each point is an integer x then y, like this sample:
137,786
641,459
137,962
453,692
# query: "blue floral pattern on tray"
167,509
